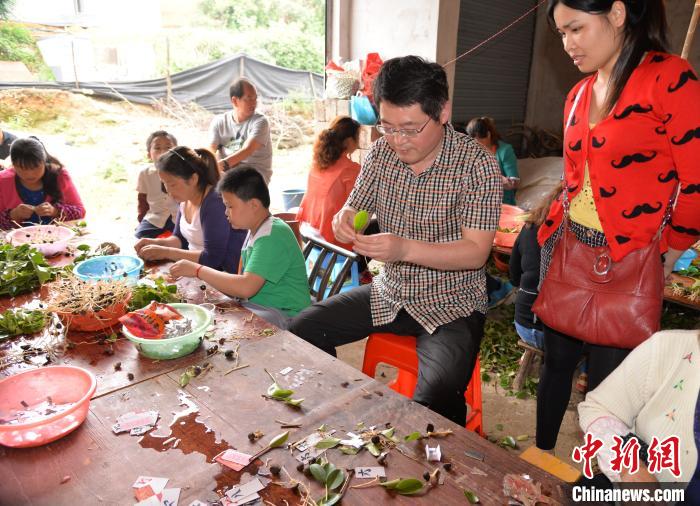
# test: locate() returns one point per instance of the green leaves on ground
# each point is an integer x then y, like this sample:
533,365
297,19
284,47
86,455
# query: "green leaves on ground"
22,269
18,321
403,486
143,294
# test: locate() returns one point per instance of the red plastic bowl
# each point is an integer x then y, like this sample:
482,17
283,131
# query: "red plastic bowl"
91,322
64,384
509,219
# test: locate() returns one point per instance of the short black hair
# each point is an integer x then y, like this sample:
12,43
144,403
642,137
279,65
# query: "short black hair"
237,88
160,133
246,183
409,80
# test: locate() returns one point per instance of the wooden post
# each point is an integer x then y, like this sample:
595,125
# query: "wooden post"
691,30
168,82
75,66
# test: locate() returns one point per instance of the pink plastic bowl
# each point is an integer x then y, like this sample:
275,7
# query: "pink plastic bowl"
509,219
49,239
64,384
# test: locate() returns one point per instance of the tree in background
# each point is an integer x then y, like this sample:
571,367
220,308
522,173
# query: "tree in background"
288,33
5,8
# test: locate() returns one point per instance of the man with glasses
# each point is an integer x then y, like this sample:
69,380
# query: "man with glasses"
437,195
242,135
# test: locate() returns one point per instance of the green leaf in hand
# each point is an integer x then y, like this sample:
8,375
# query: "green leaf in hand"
360,221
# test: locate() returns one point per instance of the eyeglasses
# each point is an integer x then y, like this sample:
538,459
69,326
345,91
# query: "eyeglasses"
402,132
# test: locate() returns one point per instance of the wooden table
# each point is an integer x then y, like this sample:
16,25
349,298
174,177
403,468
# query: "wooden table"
216,411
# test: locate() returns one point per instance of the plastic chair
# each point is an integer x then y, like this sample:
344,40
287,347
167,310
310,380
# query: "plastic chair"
331,269
400,352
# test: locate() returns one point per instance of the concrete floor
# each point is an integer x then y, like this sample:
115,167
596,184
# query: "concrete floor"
515,417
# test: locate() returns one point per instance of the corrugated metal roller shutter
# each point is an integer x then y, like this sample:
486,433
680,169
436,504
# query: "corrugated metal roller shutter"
493,80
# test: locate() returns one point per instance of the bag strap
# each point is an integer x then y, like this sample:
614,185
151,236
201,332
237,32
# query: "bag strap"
565,196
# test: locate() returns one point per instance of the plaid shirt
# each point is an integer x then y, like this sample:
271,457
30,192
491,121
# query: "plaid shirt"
462,188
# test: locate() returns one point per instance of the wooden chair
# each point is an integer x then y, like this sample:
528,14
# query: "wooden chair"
291,220
331,267
524,370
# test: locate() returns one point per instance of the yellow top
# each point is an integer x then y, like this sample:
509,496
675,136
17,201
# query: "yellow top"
582,209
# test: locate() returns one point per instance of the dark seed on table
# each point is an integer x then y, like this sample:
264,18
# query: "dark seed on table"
130,376
295,488
251,437
307,471
229,354
426,476
345,384
447,466
375,439
222,340
118,366
202,287
275,470
197,370
300,467
23,403
430,428
109,351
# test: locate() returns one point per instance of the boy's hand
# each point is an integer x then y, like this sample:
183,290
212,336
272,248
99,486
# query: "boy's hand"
183,269
343,226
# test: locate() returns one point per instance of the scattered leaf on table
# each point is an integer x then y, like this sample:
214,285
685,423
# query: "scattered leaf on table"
522,437
334,479
373,449
318,472
329,500
294,402
509,441
413,436
471,497
403,486
279,440
329,442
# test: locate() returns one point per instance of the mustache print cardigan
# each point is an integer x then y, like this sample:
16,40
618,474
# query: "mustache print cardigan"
637,155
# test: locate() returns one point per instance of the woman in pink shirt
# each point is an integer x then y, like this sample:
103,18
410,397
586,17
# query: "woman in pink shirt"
37,188
332,177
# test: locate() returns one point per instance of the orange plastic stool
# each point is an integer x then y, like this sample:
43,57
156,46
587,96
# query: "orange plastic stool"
165,234
400,352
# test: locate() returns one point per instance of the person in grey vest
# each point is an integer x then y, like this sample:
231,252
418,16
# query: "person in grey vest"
242,135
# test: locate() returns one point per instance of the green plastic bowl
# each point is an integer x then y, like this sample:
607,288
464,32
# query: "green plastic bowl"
176,347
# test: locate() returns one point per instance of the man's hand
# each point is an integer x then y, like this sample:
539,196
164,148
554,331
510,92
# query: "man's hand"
383,247
21,213
154,252
641,476
343,227
46,209
184,269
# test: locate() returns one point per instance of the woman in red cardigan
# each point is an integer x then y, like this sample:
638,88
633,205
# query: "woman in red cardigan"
632,137
37,189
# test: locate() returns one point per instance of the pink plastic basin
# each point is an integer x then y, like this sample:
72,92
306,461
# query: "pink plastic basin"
49,239
64,384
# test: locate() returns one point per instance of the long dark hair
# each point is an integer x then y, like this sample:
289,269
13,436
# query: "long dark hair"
30,152
330,143
645,30
184,162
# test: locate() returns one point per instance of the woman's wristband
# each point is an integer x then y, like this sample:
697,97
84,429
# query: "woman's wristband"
196,273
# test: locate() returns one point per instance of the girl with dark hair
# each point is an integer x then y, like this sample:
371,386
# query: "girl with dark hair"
37,189
630,141
331,178
202,233
484,130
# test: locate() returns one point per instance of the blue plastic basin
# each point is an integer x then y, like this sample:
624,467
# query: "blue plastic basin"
110,267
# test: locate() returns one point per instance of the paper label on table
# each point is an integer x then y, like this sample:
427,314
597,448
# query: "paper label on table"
355,443
309,454
234,459
197,502
240,492
147,486
369,472
153,500
131,420
309,441
286,371
170,497
433,454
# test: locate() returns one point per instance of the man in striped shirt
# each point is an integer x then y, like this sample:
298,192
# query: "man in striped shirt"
437,195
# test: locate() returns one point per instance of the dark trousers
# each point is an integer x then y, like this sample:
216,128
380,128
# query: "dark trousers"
446,358
562,354
149,230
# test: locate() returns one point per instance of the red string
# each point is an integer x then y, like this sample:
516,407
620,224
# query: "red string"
495,34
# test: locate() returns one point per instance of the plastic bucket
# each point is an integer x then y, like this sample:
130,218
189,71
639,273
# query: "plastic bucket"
292,198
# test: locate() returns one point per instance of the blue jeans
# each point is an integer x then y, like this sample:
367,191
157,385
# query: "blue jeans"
533,337
148,229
